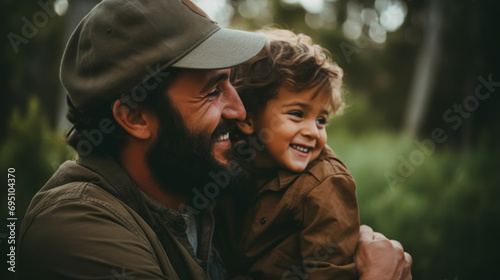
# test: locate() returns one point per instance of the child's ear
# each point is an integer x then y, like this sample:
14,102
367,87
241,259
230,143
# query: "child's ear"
247,125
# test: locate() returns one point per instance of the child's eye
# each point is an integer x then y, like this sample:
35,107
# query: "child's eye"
321,121
296,113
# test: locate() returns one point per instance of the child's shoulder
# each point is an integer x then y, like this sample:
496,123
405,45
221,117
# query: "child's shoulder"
327,164
326,175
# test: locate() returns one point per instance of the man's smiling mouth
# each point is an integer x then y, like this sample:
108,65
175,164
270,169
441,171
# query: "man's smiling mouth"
223,137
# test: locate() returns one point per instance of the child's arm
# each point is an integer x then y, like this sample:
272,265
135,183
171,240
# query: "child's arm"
330,229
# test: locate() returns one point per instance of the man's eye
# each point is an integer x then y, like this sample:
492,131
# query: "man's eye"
296,113
214,93
321,121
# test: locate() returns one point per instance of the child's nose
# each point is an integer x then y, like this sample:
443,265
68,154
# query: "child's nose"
310,129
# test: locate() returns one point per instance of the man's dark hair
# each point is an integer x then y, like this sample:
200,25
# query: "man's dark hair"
96,131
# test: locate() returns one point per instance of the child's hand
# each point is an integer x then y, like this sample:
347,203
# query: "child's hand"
380,258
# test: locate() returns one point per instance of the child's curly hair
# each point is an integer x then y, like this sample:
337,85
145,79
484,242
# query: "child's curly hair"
287,59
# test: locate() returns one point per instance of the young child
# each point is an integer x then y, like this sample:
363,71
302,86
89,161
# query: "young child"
301,221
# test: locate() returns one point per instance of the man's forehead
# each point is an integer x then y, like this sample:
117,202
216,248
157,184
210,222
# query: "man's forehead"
203,74
195,82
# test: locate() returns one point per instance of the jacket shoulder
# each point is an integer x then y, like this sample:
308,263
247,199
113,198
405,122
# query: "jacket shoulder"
79,228
78,197
326,165
327,171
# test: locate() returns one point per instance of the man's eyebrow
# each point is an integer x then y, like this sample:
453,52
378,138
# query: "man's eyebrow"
214,80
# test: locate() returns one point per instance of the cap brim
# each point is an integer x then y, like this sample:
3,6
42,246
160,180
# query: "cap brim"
223,49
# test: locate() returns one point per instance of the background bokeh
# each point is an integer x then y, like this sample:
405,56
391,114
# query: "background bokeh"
420,134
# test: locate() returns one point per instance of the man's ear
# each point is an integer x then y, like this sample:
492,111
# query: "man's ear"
247,126
138,122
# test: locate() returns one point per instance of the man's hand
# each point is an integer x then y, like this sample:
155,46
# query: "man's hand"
380,258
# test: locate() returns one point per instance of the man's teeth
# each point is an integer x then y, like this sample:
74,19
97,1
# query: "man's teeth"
223,137
301,148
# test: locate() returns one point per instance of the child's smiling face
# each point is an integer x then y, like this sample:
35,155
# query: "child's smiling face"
294,125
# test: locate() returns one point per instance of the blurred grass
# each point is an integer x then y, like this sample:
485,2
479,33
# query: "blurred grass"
445,213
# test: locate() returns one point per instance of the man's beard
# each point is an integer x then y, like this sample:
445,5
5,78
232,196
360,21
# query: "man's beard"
182,160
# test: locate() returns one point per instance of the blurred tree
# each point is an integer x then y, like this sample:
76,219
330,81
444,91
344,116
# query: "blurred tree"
470,51
30,57
425,71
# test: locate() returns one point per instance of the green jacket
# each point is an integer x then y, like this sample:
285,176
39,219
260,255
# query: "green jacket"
90,221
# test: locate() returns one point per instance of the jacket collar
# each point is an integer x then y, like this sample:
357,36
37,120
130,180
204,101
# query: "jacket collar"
286,177
114,179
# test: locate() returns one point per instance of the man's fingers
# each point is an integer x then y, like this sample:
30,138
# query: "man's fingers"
365,233
408,259
396,244
378,235
376,255
408,263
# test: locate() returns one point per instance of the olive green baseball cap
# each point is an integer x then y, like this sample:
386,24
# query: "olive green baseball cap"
122,43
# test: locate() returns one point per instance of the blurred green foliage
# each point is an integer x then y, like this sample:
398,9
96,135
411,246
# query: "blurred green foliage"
444,213
32,69
34,150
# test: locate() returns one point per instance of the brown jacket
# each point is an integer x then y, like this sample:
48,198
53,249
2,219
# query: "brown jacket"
90,221
298,226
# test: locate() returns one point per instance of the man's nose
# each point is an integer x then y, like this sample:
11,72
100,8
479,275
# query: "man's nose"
233,107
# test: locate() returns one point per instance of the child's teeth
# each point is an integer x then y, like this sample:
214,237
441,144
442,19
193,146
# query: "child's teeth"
300,148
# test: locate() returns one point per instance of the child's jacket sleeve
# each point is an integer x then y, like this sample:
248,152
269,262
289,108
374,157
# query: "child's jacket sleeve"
330,233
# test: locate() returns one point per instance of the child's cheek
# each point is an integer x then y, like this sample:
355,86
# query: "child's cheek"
275,120
276,124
